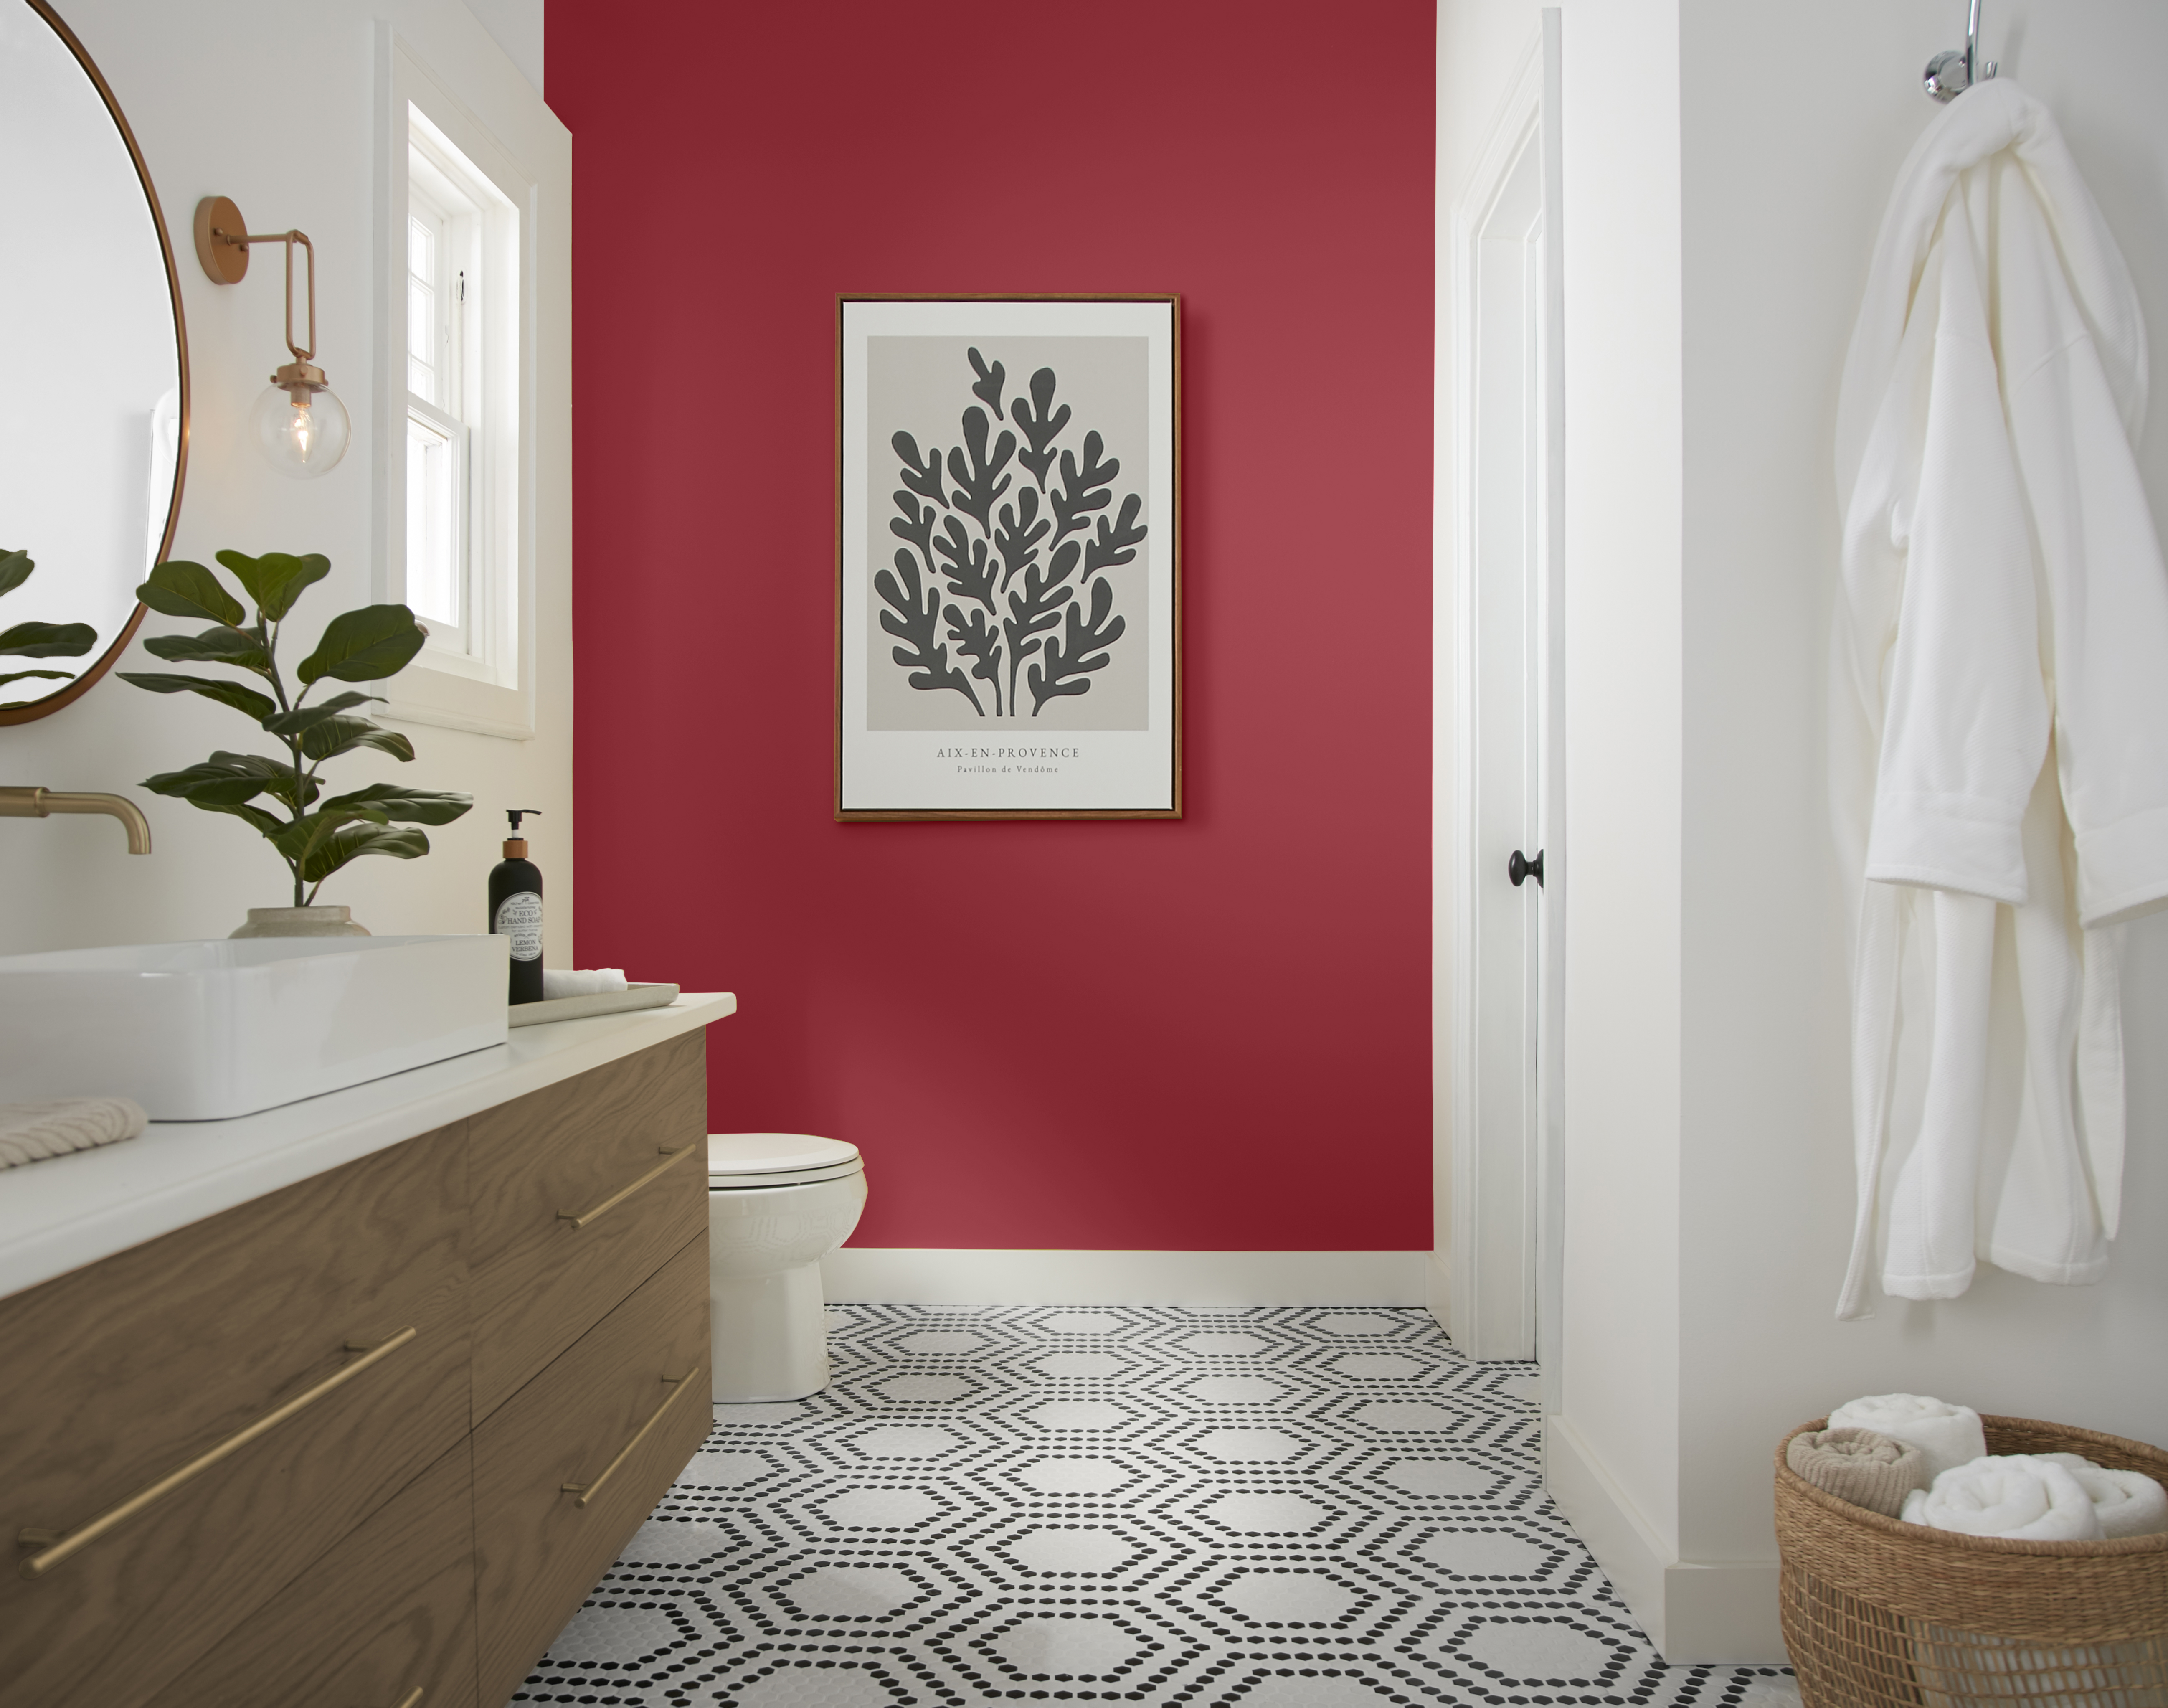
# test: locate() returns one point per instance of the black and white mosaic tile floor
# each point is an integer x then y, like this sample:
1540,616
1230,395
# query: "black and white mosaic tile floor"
1276,1509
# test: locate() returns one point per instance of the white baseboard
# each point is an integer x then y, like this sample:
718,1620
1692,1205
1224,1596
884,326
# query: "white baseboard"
1437,1290
1695,1612
875,1275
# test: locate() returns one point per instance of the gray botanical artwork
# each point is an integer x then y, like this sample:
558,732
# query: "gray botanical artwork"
1004,588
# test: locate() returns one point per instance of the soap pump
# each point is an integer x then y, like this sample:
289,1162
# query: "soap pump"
515,909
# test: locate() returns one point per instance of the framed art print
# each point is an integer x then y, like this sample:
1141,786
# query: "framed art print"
1008,526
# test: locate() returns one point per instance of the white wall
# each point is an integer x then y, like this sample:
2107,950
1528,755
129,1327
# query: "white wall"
1786,175
1726,165
274,104
1622,639
1623,778
516,26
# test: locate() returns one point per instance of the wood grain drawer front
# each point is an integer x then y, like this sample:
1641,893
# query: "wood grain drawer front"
187,1425
388,1611
577,1200
539,1551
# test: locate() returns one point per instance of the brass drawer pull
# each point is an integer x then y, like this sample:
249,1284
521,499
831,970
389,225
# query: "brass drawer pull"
55,1546
411,1698
587,1491
669,1160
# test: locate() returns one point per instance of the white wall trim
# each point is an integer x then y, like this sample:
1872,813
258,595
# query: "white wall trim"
874,1275
1438,1290
1696,1612
1550,1085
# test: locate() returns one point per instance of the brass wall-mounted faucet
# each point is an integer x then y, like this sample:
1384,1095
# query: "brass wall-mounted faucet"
43,803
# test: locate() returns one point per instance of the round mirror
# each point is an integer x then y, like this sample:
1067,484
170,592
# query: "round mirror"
93,369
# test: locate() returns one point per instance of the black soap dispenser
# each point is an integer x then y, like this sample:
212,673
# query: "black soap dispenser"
515,909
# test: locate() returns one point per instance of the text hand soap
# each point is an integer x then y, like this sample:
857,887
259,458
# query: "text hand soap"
515,909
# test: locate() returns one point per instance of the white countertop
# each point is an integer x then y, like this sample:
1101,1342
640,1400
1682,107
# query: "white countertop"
67,1211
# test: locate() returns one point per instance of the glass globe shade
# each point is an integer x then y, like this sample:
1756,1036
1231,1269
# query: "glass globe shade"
301,439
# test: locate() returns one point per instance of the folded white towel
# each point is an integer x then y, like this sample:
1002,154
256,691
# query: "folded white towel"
30,1132
562,982
2016,1497
1948,1435
2128,1503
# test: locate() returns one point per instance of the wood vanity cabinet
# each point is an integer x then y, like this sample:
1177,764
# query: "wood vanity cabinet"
483,1355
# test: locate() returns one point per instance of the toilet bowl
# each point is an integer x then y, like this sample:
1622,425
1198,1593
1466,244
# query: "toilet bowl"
777,1203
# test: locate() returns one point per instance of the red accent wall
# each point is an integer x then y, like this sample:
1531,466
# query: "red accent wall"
1208,1035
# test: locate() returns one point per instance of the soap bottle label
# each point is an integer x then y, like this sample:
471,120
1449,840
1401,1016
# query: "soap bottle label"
520,917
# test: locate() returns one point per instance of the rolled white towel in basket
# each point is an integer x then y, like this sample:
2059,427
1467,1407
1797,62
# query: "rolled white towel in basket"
30,1132
1949,1436
2127,1502
562,982
2016,1496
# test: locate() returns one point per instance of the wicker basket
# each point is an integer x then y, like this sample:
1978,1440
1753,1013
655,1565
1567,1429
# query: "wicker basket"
1879,1614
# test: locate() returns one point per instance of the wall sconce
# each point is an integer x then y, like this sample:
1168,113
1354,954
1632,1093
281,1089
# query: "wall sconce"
300,422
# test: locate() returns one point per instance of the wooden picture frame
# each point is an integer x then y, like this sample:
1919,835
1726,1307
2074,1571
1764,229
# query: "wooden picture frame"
1008,530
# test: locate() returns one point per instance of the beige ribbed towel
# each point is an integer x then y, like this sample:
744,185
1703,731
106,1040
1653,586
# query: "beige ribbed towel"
1860,1465
30,1132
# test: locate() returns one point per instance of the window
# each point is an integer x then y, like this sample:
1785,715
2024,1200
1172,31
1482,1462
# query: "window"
439,518
461,549
458,530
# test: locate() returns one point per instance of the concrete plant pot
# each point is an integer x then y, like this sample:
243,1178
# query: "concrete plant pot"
301,922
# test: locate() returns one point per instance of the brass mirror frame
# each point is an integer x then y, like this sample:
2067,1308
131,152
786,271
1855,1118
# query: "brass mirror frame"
68,693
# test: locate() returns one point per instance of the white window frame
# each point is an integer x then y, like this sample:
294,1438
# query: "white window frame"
481,675
457,383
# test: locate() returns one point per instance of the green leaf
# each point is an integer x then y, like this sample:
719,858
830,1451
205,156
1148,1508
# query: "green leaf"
351,697
255,814
352,841
236,647
326,840
15,567
300,840
365,646
396,802
342,734
295,723
180,588
209,783
225,780
19,675
49,640
259,706
276,580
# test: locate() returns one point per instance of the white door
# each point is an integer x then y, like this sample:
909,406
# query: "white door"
1508,854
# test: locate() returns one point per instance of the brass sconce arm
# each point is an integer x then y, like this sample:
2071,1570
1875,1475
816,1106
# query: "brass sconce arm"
43,803
241,240
222,244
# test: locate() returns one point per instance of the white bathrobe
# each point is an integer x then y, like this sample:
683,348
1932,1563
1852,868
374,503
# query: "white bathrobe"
1999,753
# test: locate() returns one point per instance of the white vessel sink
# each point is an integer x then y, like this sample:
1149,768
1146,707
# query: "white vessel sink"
202,1031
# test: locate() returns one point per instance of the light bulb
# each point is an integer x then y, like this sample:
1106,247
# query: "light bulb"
302,428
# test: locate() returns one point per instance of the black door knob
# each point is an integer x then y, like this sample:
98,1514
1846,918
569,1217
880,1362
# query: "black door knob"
1520,869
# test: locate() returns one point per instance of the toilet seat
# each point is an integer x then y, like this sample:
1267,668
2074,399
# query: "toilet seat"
752,1162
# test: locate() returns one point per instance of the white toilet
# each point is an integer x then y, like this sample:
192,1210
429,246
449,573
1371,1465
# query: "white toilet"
777,1203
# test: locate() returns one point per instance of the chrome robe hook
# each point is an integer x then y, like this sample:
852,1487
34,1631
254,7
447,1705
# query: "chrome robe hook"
1950,74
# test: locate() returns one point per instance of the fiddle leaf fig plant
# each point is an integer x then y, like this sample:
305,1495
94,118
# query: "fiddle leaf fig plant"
37,640
315,836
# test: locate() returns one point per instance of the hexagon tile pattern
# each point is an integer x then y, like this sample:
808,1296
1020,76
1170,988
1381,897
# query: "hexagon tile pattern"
1298,1507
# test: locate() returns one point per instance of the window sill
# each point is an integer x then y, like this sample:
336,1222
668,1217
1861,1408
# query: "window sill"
424,693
